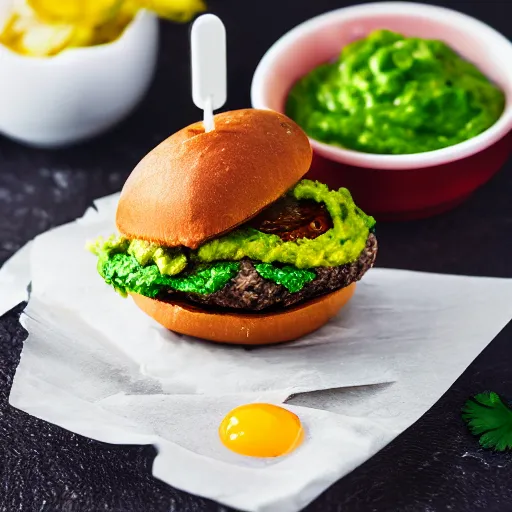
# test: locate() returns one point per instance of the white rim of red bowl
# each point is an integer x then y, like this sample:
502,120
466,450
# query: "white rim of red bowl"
396,162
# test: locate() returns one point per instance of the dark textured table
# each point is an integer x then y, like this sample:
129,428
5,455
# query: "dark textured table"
435,465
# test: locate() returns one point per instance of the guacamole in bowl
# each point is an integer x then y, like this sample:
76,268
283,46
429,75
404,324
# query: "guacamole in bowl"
391,94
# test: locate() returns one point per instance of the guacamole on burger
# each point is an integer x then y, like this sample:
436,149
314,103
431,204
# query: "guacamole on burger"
222,239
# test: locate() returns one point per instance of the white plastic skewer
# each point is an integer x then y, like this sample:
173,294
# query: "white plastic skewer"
209,123
209,69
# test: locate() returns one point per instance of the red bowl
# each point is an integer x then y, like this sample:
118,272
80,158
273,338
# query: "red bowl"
395,187
413,193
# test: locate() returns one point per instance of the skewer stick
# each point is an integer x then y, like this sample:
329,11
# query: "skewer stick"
208,120
209,68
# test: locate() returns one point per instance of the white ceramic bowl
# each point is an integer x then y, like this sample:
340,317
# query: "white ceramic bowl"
79,93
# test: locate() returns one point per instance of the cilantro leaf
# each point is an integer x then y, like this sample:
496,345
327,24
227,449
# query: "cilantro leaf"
489,416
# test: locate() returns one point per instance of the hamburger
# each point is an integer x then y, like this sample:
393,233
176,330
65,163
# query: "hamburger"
222,238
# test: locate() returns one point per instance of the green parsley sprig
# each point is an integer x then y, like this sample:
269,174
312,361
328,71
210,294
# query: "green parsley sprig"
489,416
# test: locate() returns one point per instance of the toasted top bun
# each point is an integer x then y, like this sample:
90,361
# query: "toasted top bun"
196,185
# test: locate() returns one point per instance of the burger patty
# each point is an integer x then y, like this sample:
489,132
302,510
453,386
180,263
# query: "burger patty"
250,292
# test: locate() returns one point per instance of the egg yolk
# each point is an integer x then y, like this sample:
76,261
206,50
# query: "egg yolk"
261,430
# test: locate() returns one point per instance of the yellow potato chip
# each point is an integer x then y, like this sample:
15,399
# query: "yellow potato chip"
181,11
10,33
130,8
82,36
45,40
111,31
22,9
84,12
29,36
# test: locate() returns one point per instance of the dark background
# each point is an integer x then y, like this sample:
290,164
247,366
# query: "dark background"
435,465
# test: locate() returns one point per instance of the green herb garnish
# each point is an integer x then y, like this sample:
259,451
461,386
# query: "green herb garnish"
489,416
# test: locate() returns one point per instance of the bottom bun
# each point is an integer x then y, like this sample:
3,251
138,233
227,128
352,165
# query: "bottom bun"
246,329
